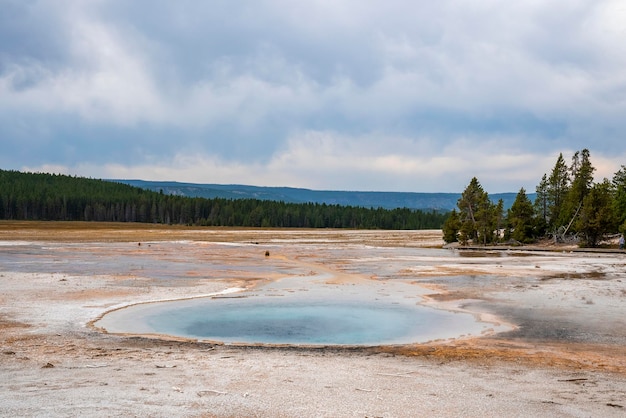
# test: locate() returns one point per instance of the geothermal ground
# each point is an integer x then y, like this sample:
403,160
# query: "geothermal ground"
553,345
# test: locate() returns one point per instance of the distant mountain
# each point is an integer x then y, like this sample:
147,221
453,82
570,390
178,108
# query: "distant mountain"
386,200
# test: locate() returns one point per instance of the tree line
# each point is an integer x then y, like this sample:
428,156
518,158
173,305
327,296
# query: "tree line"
40,196
569,206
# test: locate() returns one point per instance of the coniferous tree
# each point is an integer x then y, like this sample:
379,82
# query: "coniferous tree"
619,199
581,174
476,214
451,227
541,199
521,218
558,187
597,216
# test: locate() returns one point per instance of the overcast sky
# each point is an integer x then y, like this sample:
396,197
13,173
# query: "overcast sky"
392,95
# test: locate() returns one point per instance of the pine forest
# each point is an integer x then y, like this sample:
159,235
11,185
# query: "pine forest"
38,196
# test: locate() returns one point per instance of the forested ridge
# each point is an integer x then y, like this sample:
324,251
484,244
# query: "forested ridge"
41,196
444,202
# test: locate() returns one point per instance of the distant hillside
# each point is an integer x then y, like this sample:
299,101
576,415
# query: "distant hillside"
385,200
56,197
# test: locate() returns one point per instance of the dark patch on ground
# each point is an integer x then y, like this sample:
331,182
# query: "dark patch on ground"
479,254
593,275
549,325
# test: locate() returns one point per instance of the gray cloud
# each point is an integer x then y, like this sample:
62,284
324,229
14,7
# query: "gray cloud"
245,91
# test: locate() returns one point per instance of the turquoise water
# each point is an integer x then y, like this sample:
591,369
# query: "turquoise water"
297,321
294,323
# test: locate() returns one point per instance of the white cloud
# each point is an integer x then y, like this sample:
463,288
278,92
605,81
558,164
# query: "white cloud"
400,95
325,160
103,82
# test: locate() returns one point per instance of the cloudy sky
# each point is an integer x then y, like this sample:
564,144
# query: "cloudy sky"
393,95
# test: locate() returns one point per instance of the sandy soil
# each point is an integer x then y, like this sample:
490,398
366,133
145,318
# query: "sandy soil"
566,355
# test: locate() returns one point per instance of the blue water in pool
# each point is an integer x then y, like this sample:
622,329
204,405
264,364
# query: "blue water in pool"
299,321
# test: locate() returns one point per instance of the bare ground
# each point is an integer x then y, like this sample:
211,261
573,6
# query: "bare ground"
565,357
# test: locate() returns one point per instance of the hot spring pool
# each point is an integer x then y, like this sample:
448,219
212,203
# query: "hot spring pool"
295,321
